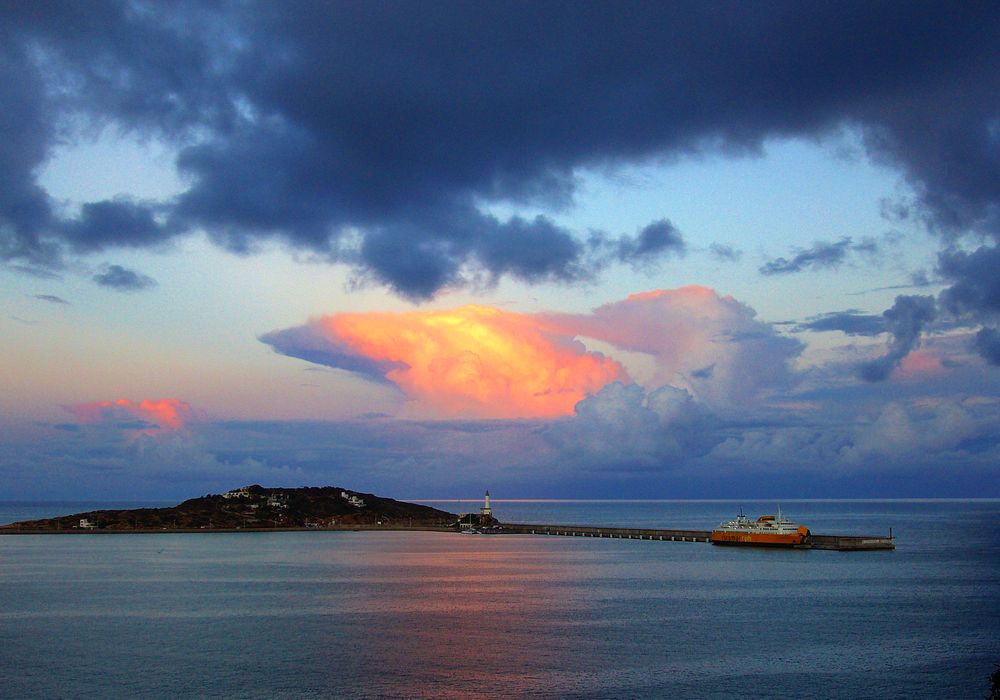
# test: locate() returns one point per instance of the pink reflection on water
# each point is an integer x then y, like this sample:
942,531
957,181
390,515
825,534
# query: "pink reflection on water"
471,616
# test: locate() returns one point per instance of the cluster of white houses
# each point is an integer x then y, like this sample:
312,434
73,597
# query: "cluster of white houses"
279,500
355,501
238,493
275,500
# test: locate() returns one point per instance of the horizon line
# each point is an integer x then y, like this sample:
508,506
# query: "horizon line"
955,499
915,499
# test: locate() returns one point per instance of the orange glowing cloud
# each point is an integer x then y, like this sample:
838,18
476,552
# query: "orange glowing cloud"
483,362
149,415
474,361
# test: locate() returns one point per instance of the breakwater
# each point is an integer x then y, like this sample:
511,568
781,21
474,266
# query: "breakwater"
629,533
840,543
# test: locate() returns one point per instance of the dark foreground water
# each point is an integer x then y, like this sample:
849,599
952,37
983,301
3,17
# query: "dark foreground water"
430,615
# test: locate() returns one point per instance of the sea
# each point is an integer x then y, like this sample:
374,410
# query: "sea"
440,615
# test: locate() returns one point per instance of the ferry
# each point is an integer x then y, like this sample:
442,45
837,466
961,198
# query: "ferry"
767,530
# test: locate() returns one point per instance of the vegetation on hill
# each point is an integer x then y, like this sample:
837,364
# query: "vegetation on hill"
258,507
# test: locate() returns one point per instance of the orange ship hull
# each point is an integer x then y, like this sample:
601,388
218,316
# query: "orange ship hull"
766,531
757,539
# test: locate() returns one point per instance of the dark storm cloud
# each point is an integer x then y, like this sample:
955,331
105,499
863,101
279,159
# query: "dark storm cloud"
821,256
975,293
369,133
26,124
656,238
121,278
976,281
850,322
535,250
66,65
905,320
987,344
119,223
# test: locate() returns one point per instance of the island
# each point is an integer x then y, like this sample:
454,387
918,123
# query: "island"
259,509
255,508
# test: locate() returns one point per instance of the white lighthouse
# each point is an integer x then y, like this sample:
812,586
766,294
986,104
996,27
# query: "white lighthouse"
486,511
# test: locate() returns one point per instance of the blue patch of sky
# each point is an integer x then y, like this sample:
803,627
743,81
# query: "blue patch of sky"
787,198
107,165
767,205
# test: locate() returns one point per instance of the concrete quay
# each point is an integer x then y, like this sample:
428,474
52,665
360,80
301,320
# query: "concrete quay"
840,543
628,533
852,543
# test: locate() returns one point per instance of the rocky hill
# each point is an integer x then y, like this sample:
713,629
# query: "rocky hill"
258,507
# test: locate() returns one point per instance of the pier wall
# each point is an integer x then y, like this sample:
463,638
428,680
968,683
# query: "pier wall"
848,543
840,543
616,532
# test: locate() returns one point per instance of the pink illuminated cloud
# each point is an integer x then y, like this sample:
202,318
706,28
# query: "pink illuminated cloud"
152,416
919,364
710,344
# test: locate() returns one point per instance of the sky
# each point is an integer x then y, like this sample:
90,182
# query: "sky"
552,249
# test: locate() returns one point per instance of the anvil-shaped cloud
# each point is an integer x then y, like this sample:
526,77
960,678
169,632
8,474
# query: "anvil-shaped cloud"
478,361
473,361
152,416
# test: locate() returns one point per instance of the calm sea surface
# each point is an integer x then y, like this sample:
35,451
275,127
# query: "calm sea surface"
432,615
